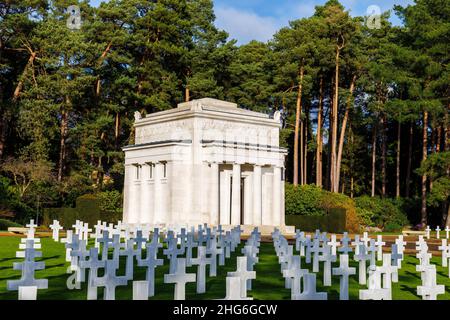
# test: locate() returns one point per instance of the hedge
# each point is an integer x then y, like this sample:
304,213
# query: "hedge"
87,209
5,224
315,203
333,221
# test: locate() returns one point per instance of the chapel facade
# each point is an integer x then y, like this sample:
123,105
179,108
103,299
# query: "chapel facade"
206,161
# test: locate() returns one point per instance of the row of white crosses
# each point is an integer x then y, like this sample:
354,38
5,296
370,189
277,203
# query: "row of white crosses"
319,248
211,245
28,285
239,281
429,290
291,269
438,232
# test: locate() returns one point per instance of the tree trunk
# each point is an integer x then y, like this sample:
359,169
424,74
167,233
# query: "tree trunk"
102,57
3,132
319,137
334,187
186,93
302,151
297,125
343,129
374,156
351,167
423,210
383,155
22,77
408,169
116,130
305,152
62,147
397,172
439,139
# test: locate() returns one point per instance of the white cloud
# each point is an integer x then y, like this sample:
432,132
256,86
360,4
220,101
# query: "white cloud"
245,26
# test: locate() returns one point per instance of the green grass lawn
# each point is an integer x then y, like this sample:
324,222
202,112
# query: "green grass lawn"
269,283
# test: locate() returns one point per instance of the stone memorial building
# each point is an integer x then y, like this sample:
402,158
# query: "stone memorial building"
206,161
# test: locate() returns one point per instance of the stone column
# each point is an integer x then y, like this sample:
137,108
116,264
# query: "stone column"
214,198
257,195
158,214
236,195
283,214
127,192
145,212
276,204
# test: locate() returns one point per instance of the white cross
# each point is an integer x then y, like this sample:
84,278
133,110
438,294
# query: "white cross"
93,264
309,292
28,267
447,230
129,253
243,274
365,239
77,226
344,271
327,257
345,249
31,228
333,243
98,232
85,231
400,248
387,270
427,230
438,232
110,280
180,278
316,249
295,274
396,258
356,243
374,291
214,251
380,243
234,289
201,261
445,252
362,257
151,262
429,290
55,228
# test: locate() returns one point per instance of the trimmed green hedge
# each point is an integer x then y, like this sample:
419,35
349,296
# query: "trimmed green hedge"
5,224
333,221
87,209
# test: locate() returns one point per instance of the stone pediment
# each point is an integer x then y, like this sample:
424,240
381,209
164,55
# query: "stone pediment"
206,105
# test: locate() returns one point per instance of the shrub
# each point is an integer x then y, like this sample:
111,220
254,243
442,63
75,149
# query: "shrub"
312,201
110,201
5,224
392,227
377,212
303,200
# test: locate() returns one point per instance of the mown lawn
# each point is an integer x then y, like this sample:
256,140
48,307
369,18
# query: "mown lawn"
269,283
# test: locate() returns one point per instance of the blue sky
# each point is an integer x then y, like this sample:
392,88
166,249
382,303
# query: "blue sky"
247,20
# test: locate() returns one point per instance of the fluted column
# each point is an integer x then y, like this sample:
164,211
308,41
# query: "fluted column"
145,212
157,209
236,195
127,192
257,195
276,204
214,198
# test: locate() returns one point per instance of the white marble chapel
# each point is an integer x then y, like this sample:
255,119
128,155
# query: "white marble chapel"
206,161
